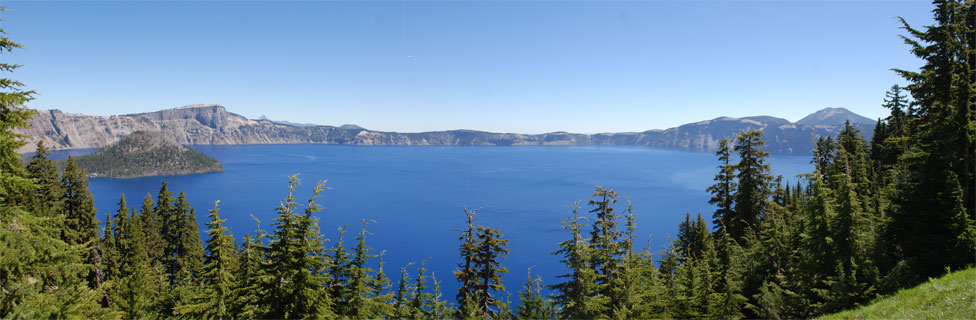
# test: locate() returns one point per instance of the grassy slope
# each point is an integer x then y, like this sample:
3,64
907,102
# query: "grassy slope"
952,296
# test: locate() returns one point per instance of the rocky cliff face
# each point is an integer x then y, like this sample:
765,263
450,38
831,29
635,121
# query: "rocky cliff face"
213,124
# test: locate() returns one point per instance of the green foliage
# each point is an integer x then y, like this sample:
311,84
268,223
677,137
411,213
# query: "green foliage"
46,198
41,274
724,188
212,296
952,296
291,282
532,304
143,154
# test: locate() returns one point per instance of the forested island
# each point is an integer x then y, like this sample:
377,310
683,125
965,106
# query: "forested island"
873,217
143,154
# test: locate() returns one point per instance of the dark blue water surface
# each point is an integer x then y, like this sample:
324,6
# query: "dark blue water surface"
416,194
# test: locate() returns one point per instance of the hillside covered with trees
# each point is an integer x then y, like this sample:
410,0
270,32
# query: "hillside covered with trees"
872,217
143,154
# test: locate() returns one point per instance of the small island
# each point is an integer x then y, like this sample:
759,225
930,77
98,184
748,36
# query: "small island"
144,154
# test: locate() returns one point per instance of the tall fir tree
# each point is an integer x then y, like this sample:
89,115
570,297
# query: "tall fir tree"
754,186
465,274
724,188
47,197
213,293
292,281
41,275
488,267
935,229
578,295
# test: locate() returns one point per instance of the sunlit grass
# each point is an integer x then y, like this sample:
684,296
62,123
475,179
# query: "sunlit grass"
952,296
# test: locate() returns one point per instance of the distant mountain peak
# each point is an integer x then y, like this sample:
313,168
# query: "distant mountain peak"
834,117
351,127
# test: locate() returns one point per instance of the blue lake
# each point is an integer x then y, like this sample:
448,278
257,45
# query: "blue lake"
416,194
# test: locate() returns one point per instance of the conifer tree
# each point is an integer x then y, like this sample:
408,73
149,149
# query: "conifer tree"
292,280
724,188
81,226
250,288
212,296
578,294
79,208
754,178
488,268
532,305
605,239
362,283
935,229
339,273
185,250
401,300
139,291
47,197
465,273
41,275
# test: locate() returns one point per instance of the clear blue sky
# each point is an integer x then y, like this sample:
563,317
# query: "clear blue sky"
512,66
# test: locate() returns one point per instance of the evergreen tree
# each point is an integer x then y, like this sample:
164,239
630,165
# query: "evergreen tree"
401,305
605,240
292,282
212,298
41,275
79,209
532,305
578,294
81,226
724,188
465,273
693,238
361,304
250,288
488,267
184,248
934,229
46,199
138,293
753,190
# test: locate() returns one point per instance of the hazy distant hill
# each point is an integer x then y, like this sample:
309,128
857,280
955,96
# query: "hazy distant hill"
213,124
834,117
142,154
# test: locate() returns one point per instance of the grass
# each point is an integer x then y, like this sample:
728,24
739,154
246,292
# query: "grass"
952,296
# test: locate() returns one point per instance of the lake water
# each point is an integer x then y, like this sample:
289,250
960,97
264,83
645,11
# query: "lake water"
416,194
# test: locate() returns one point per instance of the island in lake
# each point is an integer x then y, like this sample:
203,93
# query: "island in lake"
146,153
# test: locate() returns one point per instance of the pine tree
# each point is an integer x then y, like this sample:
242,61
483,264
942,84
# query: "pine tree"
339,271
213,294
578,294
250,288
292,280
79,208
532,305
935,229
753,190
41,275
361,304
185,250
138,293
488,268
465,273
401,305
605,239
724,187
46,199
693,237
81,226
